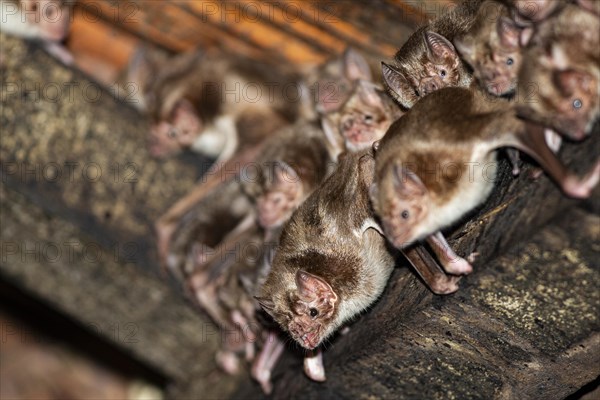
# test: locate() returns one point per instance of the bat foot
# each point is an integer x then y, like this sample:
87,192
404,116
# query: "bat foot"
444,284
582,188
228,362
263,377
459,266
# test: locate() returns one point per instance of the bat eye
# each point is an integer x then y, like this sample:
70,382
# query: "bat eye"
313,312
577,104
443,73
510,61
368,118
172,133
405,214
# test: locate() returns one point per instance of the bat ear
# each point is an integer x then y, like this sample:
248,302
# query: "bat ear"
285,178
367,92
438,47
397,84
570,80
356,66
407,183
311,286
508,32
266,304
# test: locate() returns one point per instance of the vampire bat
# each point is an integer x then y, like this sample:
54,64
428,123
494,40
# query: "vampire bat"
438,162
428,61
559,80
362,120
332,261
217,104
45,20
293,164
207,224
493,48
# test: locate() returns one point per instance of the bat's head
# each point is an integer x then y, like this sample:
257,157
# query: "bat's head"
362,120
432,66
175,132
401,200
303,304
279,193
564,89
493,50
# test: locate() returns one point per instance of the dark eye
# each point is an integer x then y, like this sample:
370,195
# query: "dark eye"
509,61
443,73
577,104
405,214
313,312
368,118
172,132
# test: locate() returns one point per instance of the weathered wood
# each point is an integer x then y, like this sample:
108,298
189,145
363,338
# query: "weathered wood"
525,326
111,296
71,147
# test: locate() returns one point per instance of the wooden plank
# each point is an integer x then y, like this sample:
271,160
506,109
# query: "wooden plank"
265,36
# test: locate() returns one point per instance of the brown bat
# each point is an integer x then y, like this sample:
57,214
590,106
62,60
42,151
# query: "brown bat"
199,232
428,60
493,48
438,162
45,20
294,163
217,104
559,80
332,262
362,120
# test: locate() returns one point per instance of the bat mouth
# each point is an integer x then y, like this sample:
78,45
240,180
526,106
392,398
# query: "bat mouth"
310,340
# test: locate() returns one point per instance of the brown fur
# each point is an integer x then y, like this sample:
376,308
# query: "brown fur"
363,119
412,68
324,239
563,65
492,48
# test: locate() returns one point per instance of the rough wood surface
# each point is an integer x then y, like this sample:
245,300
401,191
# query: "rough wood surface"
524,325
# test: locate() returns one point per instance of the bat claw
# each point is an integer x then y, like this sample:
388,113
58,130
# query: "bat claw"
228,362
445,284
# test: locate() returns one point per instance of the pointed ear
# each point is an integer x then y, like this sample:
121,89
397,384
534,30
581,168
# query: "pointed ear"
407,183
356,66
438,47
396,83
508,32
311,286
568,81
464,47
266,304
367,92
285,177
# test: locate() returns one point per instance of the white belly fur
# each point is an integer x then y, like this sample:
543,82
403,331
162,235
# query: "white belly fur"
474,188
219,139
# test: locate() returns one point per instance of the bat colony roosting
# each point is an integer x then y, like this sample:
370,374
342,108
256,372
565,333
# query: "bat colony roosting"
331,184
